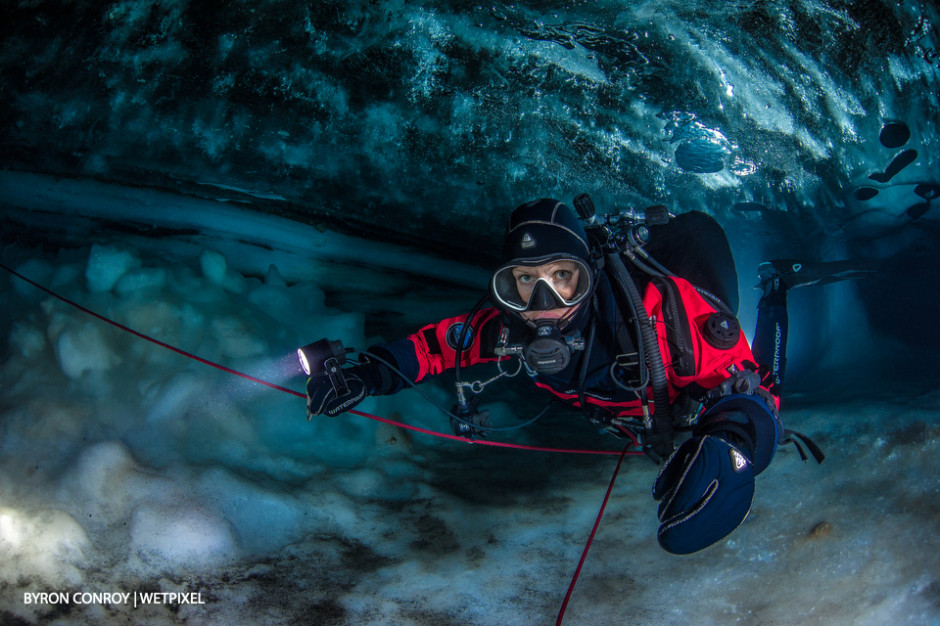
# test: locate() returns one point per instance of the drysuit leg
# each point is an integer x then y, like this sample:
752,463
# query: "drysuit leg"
770,337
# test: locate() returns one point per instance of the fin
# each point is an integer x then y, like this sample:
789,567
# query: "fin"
793,273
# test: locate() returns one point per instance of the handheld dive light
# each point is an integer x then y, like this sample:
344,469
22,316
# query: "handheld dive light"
325,357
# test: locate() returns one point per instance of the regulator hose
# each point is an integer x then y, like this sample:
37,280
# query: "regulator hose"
662,427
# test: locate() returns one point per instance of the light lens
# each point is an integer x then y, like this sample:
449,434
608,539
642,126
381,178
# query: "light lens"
303,361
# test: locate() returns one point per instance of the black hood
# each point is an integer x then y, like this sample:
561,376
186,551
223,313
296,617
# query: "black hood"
544,230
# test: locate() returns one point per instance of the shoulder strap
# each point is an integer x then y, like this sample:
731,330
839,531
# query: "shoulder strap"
629,354
791,436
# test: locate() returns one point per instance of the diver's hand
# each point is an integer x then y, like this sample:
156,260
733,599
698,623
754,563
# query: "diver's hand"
323,399
706,488
469,421
471,425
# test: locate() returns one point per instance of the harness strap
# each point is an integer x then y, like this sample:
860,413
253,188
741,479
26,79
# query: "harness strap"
791,436
586,357
629,352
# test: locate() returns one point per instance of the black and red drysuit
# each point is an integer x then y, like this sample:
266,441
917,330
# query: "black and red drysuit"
695,361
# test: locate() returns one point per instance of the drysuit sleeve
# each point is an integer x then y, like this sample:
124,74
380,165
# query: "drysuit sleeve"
706,487
433,349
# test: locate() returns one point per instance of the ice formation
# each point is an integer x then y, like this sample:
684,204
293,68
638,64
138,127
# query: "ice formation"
235,181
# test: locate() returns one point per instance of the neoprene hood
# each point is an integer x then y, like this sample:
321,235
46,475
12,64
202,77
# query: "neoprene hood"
544,229
540,232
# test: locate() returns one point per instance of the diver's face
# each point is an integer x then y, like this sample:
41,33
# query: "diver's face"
563,276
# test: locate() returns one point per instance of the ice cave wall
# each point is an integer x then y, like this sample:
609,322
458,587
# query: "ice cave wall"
447,114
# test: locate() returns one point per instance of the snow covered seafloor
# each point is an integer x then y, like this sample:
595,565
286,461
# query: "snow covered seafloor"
128,468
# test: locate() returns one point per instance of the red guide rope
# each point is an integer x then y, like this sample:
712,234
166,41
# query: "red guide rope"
501,444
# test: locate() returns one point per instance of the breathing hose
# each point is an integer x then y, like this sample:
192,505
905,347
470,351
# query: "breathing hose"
662,427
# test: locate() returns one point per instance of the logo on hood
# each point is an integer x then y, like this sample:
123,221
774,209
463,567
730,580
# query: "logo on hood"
527,242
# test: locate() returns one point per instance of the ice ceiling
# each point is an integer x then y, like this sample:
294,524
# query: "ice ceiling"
446,114
807,126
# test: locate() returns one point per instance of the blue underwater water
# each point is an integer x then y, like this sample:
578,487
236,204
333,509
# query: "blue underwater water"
238,179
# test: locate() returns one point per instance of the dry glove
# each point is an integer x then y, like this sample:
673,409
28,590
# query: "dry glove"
324,398
705,488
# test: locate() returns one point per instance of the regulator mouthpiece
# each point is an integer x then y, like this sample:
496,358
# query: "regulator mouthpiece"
549,352
313,356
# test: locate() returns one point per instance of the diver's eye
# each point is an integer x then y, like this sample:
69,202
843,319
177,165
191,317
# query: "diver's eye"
524,278
562,274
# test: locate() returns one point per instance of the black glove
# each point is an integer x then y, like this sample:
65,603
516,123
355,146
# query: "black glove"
323,398
707,485
341,392
342,389
658,446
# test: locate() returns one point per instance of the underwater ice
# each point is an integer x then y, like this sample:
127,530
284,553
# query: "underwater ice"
127,467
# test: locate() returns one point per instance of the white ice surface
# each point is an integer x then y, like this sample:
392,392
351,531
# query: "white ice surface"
126,467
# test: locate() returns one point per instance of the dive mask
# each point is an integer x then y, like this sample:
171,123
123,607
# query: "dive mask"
512,293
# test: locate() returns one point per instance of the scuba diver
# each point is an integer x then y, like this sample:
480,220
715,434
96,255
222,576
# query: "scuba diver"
645,356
